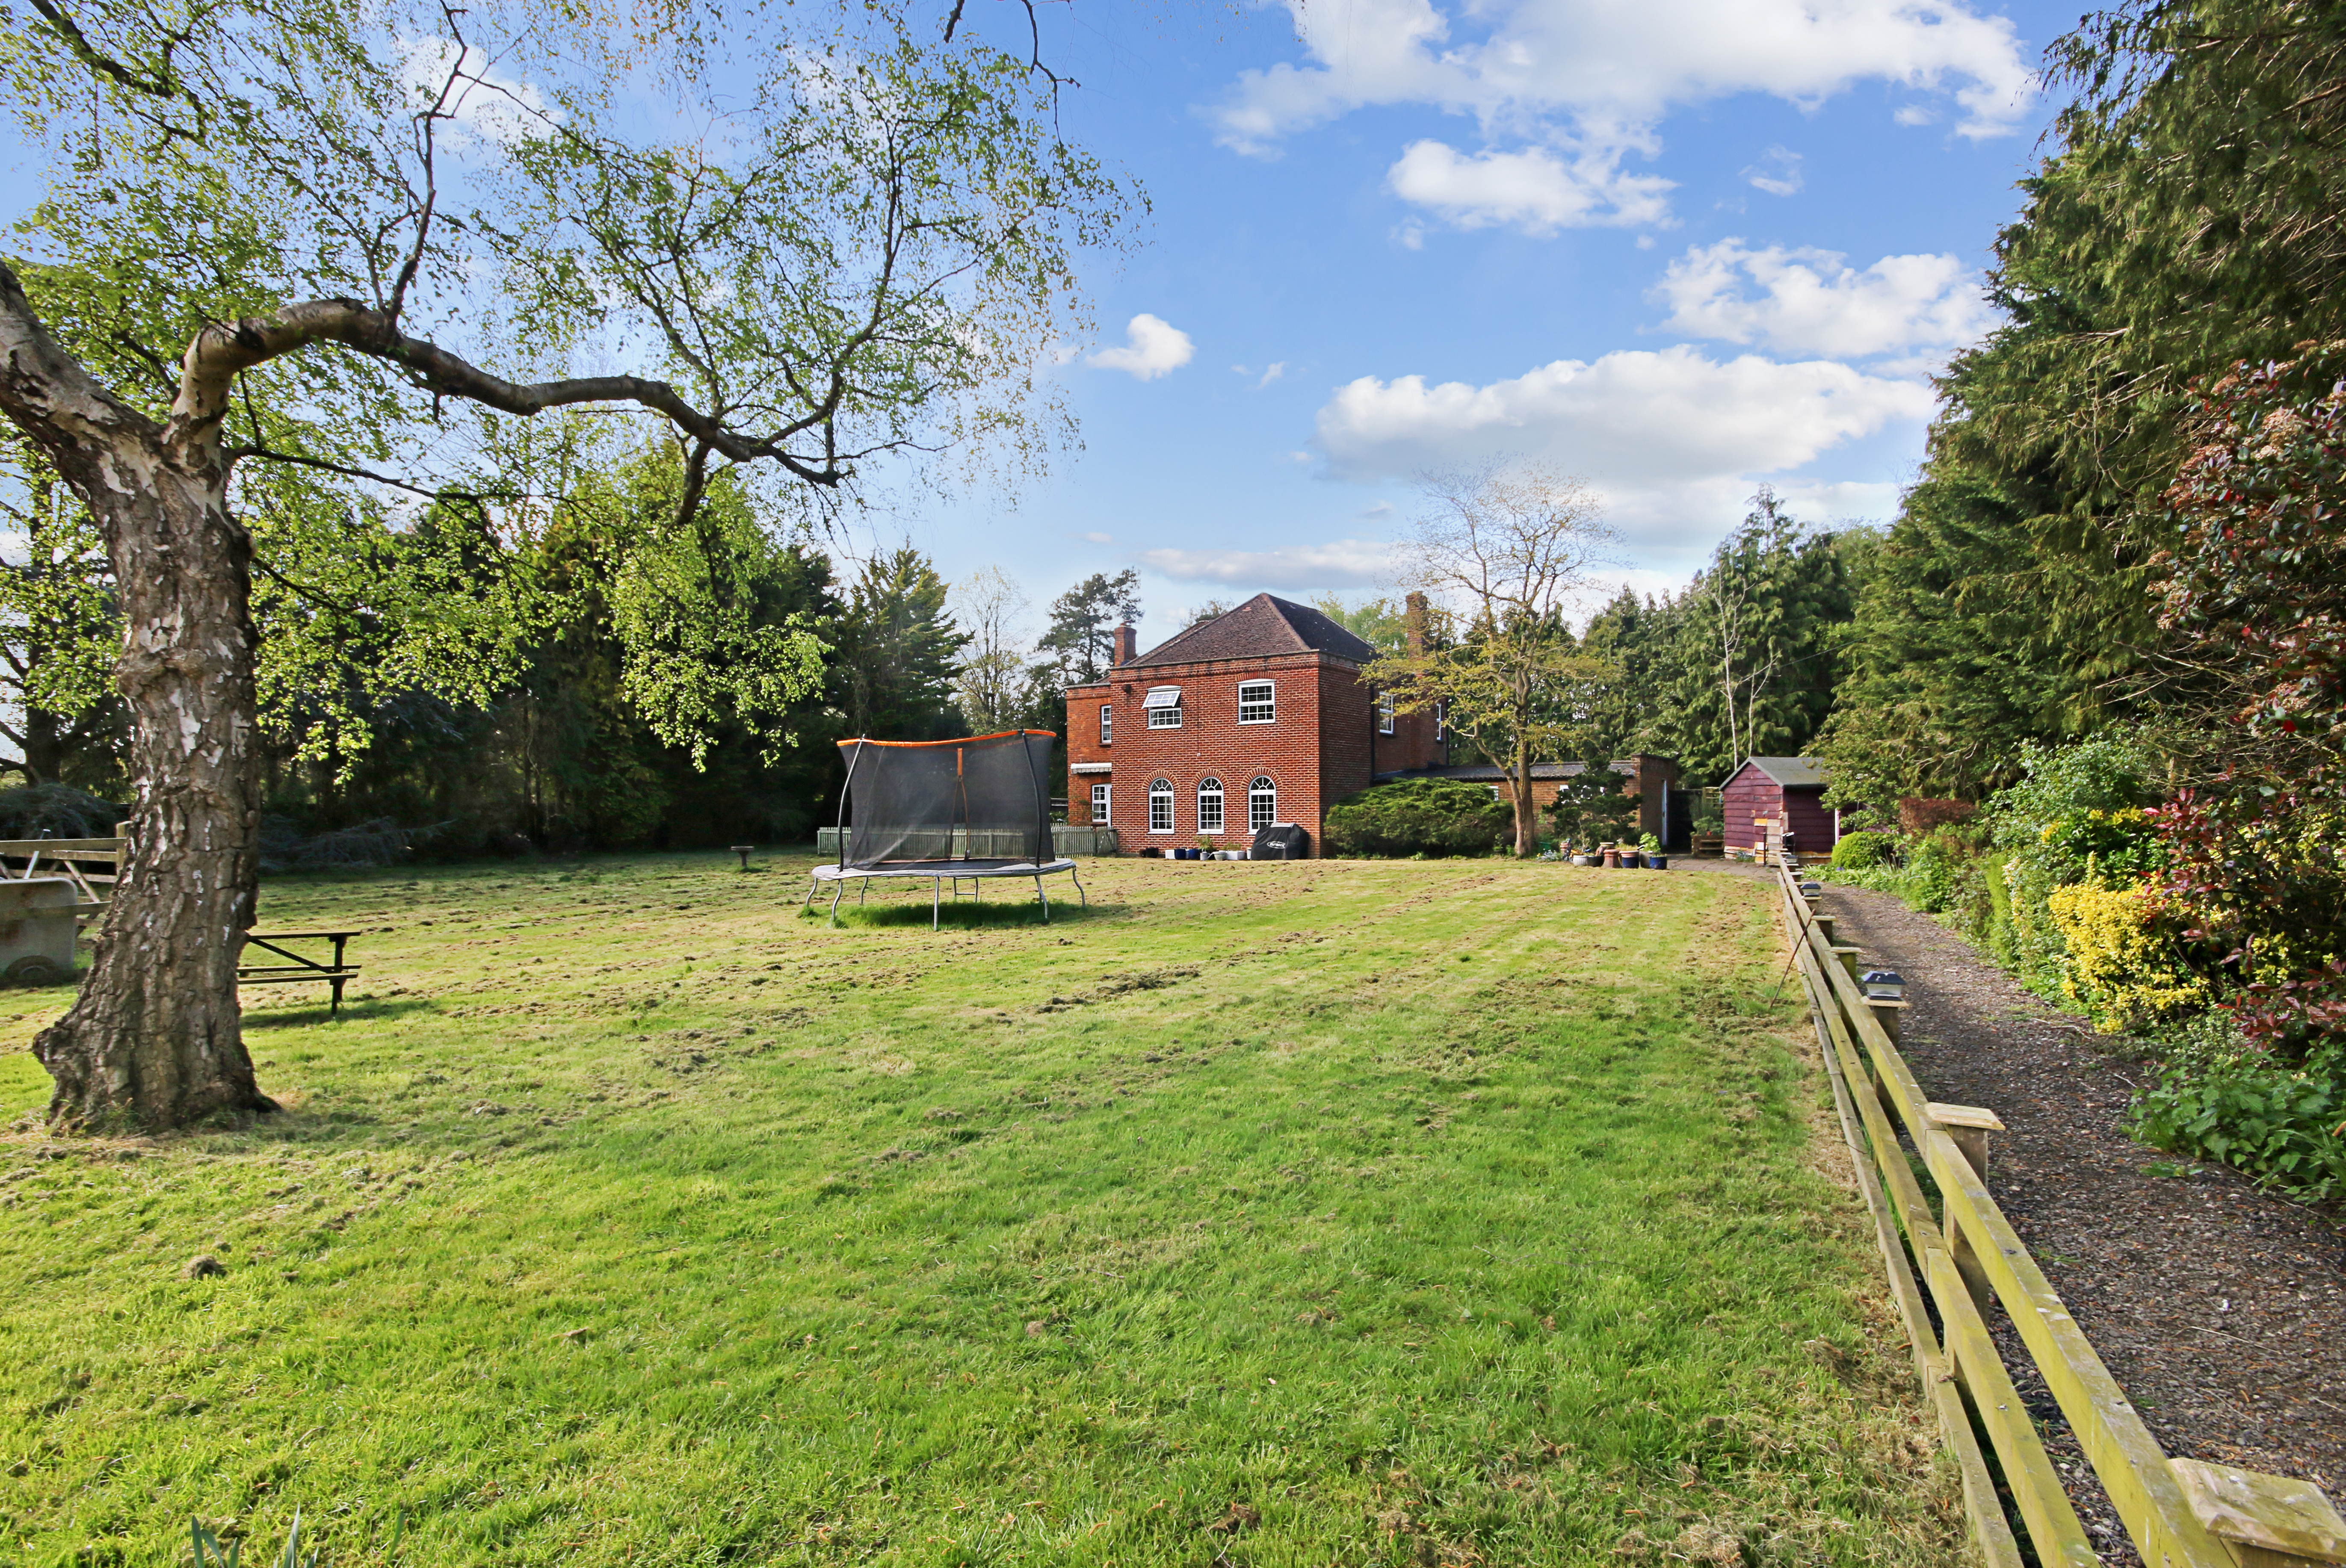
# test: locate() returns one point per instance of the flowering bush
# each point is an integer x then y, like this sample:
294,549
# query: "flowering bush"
2123,964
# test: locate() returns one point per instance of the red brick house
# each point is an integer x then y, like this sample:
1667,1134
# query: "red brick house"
1255,717
1782,790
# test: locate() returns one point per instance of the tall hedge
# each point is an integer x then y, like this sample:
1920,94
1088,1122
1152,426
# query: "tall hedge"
1419,816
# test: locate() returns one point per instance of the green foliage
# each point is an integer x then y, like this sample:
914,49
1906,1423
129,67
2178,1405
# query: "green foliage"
1382,622
898,652
1744,662
1950,662
1431,816
207,1550
1591,806
2219,1098
2183,224
1864,852
57,811
1080,640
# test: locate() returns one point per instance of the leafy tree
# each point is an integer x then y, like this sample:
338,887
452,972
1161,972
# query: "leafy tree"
1080,640
899,651
989,683
1383,621
1212,610
283,236
1645,641
59,634
1513,549
1757,626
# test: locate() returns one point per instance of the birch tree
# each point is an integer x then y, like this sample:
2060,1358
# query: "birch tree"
295,237
1508,554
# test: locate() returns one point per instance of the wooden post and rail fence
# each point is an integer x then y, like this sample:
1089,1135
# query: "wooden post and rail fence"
50,887
1948,1267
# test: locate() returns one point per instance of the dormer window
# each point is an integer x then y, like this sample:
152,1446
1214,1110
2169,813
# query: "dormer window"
1163,704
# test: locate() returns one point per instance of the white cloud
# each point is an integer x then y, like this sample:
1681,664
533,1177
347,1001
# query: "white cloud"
1534,190
1580,84
1673,440
1812,302
482,102
1271,372
1101,538
1609,66
1346,564
1778,173
1152,347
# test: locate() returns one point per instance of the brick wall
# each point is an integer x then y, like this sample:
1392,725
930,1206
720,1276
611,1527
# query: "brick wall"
1319,742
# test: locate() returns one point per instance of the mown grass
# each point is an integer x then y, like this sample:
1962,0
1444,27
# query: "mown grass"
1322,1213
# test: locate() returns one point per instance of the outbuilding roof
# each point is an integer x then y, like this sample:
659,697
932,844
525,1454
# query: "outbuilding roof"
1491,773
1264,625
1790,772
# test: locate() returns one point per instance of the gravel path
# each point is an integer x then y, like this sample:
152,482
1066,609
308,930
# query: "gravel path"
2220,1310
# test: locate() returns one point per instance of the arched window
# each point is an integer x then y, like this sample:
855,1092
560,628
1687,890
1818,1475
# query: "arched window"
1160,805
1210,805
1262,804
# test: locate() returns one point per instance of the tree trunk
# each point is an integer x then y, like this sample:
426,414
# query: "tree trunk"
154,1039
1520,785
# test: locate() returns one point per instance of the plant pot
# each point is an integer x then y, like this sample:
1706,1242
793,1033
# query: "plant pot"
1612,859
1580,860
1657,862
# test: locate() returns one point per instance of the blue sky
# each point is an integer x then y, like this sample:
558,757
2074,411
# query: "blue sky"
1677,249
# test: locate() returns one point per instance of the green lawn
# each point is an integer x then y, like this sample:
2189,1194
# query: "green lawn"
1411,1213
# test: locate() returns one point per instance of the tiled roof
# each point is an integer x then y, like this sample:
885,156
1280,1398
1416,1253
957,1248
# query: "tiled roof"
1261,625
1791,772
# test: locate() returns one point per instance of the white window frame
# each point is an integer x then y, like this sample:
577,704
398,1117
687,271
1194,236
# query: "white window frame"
1266,707
1386,710
1165,718
1211,788
1108,724
1262,803
1160,789
1103,804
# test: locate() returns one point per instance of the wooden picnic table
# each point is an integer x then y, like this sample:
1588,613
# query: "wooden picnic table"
298,967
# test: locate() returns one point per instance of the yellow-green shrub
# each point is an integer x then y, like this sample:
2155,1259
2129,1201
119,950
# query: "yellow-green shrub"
2121,963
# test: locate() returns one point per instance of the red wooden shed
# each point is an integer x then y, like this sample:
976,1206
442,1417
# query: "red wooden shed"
1789,789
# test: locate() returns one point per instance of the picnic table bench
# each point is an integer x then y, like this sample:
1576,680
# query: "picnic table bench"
297,968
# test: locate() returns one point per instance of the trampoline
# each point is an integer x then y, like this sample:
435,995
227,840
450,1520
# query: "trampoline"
946,812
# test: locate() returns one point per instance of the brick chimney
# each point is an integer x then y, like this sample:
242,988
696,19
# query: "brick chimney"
1127,647
1412,622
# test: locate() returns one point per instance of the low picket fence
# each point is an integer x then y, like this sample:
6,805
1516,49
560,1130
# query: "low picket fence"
1945,1271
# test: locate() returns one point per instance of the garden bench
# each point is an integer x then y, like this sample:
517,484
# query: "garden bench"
298,969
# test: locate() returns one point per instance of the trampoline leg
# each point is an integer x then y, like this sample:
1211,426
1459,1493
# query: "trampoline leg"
1079,886
1045,898
936,897
812,886
838,895
862,892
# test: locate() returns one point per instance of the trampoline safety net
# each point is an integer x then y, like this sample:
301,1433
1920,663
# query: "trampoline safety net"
984,798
